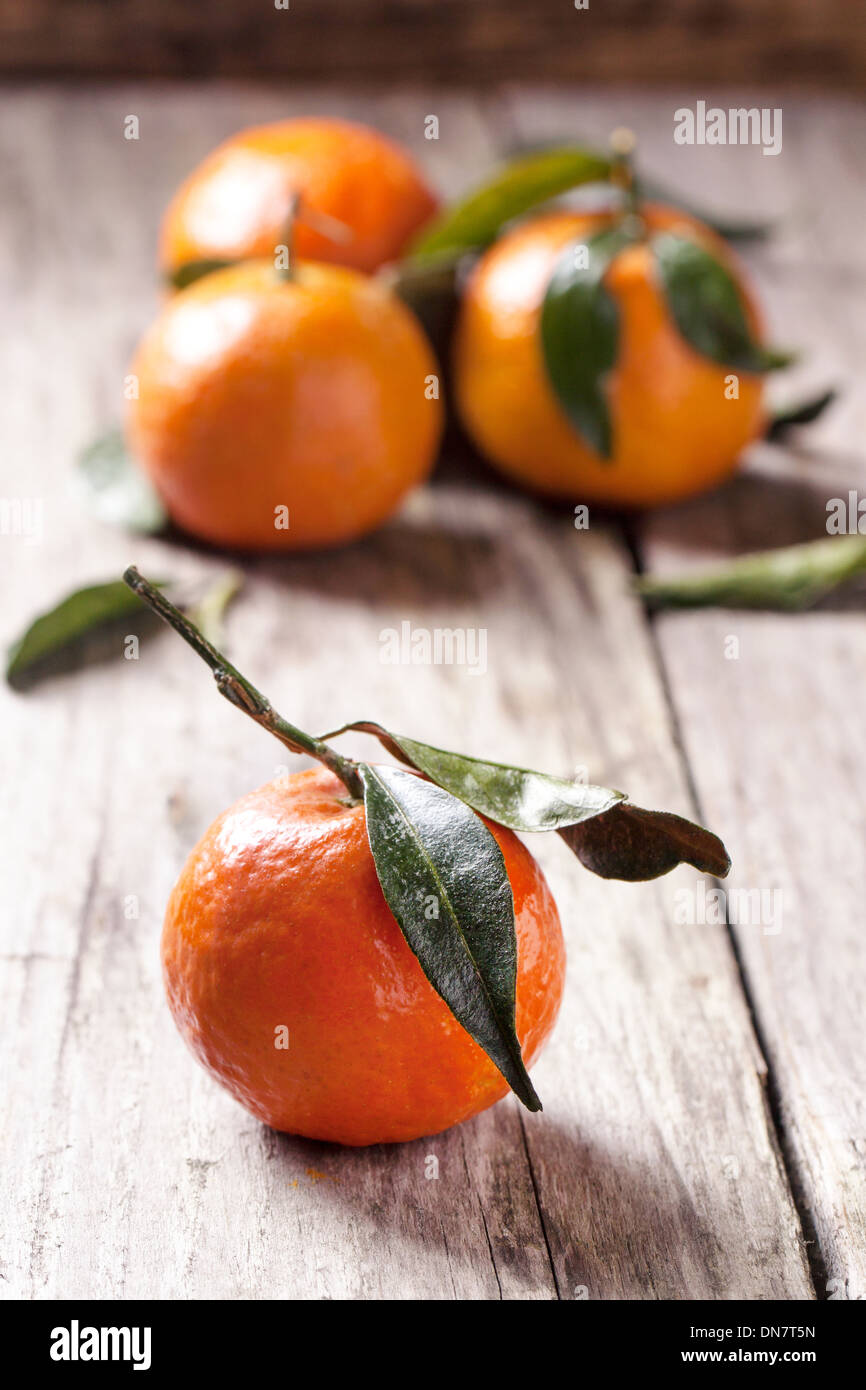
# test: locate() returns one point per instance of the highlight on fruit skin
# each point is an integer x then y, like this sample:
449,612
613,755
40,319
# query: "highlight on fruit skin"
364,953
284,410
233,206
679,420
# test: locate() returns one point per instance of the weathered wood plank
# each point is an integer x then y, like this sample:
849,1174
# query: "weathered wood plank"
653,1172
774,734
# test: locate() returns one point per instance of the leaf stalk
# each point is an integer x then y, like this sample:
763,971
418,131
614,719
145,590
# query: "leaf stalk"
241,693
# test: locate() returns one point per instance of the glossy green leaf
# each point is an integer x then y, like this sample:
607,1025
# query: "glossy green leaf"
630,843
190,271
116,488
792,577
523,184
512,796
800,413
580,334
731,228
443,876
705,303
68,624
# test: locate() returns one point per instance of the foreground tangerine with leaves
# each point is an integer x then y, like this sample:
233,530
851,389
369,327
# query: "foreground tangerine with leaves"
365,953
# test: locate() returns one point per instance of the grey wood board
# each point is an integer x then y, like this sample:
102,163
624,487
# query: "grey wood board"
654,1171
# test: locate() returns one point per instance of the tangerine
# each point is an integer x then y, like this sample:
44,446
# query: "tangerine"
234,205
284,413
677,430
291,981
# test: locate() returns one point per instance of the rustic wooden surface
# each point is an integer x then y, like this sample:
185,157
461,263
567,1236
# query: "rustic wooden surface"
704,1132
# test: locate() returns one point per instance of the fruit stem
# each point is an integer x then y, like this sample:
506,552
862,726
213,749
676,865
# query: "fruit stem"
286,273
622,143
240,693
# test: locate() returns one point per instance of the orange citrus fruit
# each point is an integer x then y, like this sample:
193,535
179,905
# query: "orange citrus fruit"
234,205
676,428
292,983
283,414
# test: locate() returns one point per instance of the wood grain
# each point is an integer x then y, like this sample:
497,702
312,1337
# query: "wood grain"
655,1169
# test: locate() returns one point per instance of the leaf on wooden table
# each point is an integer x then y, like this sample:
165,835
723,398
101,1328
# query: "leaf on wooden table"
707,308
66,625
444,878
792,577
524,183
630,843
800,413
116,488
515,797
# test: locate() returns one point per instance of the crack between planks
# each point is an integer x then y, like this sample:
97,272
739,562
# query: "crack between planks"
770,1091
536,1194
472,1188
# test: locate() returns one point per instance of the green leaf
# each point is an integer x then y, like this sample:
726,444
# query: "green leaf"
580,334
792,577
67,625
475,221
512,796
190,271
116,489
630,843
443,876
802,413
706,306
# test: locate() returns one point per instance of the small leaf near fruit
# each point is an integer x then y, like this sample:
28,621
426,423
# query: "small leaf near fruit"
630,843
443,876
475,221
116,488
189,271
513,796
706,306
66,626
580,334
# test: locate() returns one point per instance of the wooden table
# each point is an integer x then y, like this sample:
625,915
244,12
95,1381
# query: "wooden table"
704,1134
